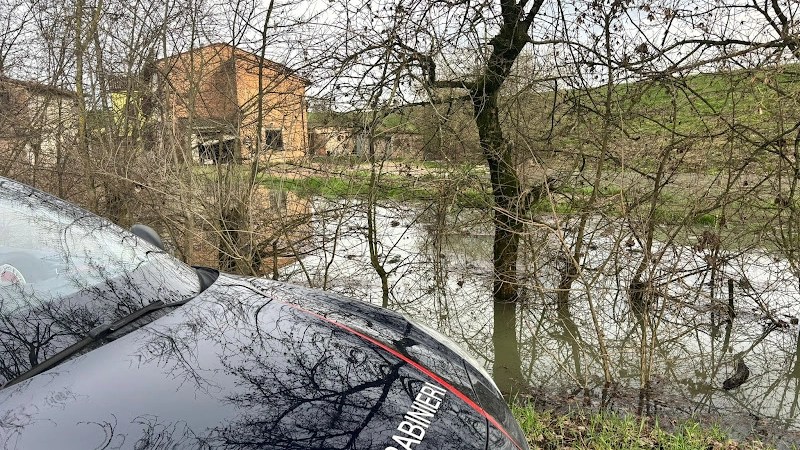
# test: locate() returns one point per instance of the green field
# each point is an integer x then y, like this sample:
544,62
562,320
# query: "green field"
578,431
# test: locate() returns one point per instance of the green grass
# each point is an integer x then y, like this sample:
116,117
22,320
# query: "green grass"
356,184
706,220
470,198
678,204
547,430
433,164
606,191
314,186
699,104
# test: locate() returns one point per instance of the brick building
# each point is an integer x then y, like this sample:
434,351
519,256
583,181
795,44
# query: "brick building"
37,123
341,141
211,96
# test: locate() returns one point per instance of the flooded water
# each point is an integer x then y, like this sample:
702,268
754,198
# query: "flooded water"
668,358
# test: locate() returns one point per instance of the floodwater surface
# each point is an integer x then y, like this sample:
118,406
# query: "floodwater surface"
667,357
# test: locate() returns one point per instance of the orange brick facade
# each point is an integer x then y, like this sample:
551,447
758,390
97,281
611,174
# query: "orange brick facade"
212,93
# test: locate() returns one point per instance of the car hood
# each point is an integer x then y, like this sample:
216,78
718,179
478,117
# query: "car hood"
260,364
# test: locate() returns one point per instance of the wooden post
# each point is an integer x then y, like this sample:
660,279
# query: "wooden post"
275,259
731,312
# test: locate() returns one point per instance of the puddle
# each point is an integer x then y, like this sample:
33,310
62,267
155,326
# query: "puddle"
669,362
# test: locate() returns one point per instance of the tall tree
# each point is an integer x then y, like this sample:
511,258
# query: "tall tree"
442,50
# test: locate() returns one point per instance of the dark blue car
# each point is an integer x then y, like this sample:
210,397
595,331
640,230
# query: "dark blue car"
108,342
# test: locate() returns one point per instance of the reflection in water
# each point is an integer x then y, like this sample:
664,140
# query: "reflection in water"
670,349
507,366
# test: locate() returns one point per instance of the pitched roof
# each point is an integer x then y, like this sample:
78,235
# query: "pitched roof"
252,57
35,86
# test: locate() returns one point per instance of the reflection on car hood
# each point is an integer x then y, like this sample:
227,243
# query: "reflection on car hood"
259,364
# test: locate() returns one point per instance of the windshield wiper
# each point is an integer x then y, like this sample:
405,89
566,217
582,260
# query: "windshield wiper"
95,335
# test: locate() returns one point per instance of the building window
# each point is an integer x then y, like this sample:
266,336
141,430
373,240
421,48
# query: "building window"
273,139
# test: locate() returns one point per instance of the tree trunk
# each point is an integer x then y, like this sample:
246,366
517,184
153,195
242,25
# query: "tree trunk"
81,44
508,228
507,44
372,227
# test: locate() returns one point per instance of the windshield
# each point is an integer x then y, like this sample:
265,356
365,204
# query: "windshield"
64,271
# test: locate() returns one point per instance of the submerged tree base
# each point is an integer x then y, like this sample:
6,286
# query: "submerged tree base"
546,429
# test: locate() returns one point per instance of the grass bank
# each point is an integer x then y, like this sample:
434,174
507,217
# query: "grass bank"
692,202
547,430
675,204
356,184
